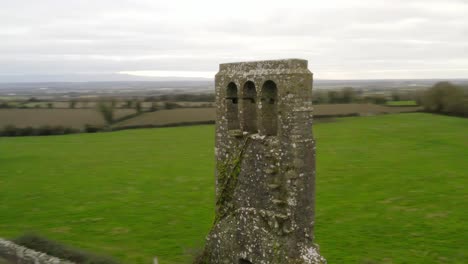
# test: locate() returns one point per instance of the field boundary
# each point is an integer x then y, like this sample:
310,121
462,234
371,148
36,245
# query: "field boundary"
335,116
403,105
19,254
195,123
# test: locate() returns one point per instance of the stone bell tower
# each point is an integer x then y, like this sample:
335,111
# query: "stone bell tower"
265,165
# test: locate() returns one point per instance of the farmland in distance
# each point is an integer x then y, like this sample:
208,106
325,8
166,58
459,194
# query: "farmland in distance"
78,117
75,118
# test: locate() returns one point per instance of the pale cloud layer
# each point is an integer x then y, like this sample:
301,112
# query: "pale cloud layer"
342,39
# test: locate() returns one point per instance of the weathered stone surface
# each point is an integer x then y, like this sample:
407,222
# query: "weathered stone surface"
265,165
18,254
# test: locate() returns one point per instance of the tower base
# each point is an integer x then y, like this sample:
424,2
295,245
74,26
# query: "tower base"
247,238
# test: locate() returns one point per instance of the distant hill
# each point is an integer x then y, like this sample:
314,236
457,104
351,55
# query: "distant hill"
155,86
109,77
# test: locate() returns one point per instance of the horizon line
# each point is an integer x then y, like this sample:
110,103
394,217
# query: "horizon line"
199,79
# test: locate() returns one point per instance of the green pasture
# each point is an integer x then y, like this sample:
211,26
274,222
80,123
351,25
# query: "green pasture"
390,189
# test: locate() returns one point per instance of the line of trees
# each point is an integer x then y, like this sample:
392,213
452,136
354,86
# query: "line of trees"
45,130
107,111
346,95
205,97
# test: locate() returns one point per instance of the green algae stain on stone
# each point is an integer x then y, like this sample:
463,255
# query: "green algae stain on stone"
228,174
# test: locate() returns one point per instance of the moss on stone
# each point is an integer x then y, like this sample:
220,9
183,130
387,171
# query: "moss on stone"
228,174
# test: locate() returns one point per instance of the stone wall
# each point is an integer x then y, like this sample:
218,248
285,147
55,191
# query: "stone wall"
20,255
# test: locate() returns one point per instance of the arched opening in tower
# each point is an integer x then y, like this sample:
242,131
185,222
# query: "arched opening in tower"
249,108
269,109
232,109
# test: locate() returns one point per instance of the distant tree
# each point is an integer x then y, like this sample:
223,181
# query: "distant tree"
396,96
164,97
345,96
320,97
445,97
349,95
376,99
50,105
129,104
170,105
138,106
92,128
26,131
44,130
107,111
154,107
9,131
334,97
72,104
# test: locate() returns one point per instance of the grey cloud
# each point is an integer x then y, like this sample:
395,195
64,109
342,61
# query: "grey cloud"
338,37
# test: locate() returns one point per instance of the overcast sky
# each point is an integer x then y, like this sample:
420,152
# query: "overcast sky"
342,39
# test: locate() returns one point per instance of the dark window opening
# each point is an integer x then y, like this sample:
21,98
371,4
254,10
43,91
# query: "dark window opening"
249,108
269,109
232,110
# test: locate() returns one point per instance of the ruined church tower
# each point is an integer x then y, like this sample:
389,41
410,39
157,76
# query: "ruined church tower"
265,165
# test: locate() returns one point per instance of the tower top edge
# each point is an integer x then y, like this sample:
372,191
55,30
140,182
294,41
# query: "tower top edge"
283,64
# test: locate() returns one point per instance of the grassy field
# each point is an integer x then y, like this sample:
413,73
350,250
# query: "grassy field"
390,189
